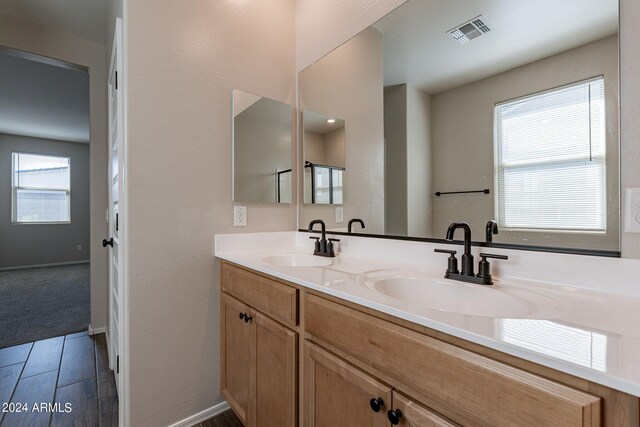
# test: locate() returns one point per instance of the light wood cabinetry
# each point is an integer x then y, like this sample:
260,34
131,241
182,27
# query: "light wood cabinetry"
339,395
236,339
311,359
259,356
412,414
467,387
275,363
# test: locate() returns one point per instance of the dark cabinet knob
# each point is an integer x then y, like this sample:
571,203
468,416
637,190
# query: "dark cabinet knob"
376,404
394,416
247,318
106,242
242,316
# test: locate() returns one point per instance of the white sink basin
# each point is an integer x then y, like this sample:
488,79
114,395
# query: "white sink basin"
297,260
424,288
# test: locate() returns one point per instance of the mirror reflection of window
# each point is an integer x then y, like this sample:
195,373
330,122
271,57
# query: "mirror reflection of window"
550,166
324,155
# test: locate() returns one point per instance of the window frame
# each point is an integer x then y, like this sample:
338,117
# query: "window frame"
15,188
499,210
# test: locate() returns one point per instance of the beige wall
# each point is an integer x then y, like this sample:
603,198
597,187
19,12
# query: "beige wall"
395,160
31,38
630,111
463,152
183,61
334,148
407,132
348,84
419,215
325,149
322,26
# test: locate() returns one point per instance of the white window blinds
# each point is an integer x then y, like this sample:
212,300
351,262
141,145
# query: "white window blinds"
550,159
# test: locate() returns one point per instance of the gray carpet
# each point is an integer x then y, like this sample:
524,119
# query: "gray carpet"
38,303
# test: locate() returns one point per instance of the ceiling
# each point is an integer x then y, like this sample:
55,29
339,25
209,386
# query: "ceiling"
43,100
317,123
418,49
83,18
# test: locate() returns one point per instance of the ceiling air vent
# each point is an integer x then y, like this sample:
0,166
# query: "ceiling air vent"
469,30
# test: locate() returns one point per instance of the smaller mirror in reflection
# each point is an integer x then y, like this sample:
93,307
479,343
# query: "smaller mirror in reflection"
262,143
324,158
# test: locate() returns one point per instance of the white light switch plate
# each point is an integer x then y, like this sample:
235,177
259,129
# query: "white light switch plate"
632,211
239,216
339,214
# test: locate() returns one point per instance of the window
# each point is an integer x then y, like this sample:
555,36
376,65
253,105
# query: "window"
326,183
550,160
40,188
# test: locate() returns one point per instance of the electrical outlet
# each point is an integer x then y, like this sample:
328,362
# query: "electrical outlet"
632,211
339,214
239,216
79,248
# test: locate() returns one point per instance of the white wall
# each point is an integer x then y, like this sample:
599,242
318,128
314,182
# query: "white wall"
184,59
34,244
21,35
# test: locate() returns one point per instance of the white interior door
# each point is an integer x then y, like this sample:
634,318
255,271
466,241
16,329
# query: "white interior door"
116,193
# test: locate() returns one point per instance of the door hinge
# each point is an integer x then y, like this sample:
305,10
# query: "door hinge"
116,80
117,364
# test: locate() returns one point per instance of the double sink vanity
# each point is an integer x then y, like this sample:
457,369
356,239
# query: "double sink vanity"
440,113
362,339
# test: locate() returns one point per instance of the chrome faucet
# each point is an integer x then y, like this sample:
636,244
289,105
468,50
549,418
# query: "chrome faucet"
323,246
467,258
351,221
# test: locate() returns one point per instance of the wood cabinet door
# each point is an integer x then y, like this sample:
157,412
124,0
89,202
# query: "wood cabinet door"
275,378
338,394
412,414
236,354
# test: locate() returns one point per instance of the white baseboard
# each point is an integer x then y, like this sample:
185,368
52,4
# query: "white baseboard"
201,416
55,264
96,331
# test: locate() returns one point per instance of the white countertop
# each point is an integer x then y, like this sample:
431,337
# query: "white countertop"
590,331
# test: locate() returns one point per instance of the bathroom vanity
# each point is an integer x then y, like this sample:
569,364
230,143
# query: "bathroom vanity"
310,341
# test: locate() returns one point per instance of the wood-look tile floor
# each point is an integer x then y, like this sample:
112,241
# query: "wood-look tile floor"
225,419
62,381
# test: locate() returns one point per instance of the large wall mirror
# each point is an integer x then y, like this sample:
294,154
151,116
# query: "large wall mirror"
262,146
478,110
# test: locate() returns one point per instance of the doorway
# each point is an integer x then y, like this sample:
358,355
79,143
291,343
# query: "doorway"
45,198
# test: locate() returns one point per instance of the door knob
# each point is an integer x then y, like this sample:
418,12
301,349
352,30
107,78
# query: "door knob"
106,242
394,416
376,404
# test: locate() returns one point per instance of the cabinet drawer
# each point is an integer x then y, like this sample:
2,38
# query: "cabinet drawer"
415,415
274,299
464,386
